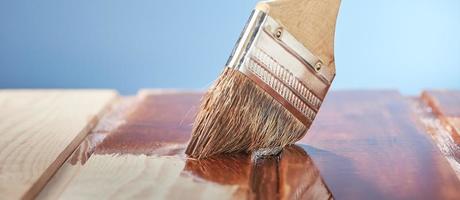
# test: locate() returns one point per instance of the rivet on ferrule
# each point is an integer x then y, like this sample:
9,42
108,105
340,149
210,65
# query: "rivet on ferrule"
278,33
318,66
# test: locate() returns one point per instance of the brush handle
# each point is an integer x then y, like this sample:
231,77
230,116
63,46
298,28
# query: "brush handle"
311,22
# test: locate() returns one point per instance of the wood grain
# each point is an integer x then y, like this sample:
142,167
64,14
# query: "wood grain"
39,129
445,104
148,150
369,145
143,157
439,112
312,22
363,145
112,119
444,139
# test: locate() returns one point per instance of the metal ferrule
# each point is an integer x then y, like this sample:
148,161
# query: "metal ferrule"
271,57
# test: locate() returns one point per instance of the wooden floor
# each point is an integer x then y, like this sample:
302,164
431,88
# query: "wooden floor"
82,144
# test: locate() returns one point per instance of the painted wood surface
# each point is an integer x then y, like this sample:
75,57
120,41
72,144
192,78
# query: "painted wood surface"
39,129
363,145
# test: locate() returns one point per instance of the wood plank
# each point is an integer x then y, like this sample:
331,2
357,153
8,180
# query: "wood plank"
134,147
232,173
441,135
439,112
39,129
364,145
445,104
111,120
369,145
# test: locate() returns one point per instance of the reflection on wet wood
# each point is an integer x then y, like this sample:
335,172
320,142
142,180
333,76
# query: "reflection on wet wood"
223,169
299,178
291,175
364,145
264,178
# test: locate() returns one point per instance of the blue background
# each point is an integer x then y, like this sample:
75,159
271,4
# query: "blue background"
407,45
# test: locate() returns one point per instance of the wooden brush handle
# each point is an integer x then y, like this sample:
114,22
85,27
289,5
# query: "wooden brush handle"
312,22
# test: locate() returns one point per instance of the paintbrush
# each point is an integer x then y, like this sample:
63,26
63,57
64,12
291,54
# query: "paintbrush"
274,81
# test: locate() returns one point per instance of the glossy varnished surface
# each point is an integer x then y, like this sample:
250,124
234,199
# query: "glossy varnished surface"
160,124
442,135
446,104
291,175
441,116
368,145
363,145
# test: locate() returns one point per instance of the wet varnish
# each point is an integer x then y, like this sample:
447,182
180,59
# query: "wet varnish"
363,145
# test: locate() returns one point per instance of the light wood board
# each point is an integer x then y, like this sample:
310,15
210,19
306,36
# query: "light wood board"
39,129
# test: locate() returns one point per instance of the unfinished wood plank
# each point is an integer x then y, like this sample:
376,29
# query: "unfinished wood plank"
112,119
39,129
364,145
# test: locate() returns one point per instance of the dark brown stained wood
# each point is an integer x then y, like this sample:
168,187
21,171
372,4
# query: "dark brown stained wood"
439,111
363,145
445,104
368,145
438,131
160,124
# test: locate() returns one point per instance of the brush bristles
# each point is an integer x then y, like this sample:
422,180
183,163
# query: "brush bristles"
238,116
